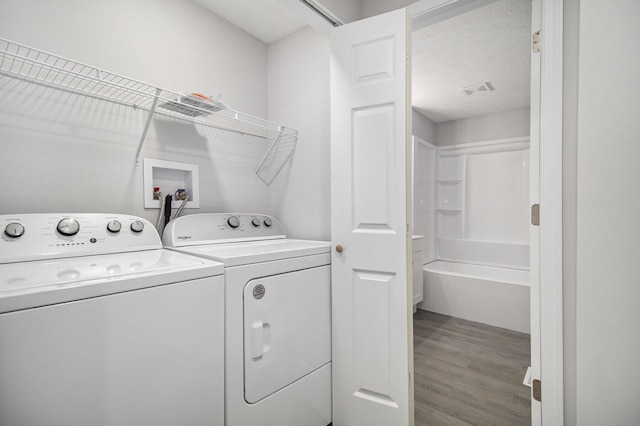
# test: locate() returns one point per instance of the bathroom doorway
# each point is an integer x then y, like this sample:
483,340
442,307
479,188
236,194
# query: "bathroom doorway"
471,84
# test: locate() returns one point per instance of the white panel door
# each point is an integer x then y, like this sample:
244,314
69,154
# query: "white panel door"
370,220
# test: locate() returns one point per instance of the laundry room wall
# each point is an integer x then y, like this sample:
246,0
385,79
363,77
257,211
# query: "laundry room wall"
298,93
377,7
604,180
67,153
347,10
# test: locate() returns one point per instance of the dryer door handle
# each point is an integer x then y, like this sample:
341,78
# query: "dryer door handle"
259,339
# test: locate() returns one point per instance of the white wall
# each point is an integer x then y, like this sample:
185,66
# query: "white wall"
174,44
64,153
608,202
423,127
501,125
347,10
376,7
298,77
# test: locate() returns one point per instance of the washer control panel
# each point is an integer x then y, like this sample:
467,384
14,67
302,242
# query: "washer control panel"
212,228
51,236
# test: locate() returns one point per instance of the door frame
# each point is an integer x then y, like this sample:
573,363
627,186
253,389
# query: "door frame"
550,130
551,294
550,134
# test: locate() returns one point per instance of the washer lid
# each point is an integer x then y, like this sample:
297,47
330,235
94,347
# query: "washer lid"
235,254
37,283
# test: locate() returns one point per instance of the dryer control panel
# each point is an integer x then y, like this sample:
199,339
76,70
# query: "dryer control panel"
214,228
51,236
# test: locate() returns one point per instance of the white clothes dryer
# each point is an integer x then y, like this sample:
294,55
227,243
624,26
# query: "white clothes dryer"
278,316
99,325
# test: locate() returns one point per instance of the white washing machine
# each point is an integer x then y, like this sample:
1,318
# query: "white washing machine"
99,325
278,316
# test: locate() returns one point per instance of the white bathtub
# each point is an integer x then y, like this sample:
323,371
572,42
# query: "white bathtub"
486,294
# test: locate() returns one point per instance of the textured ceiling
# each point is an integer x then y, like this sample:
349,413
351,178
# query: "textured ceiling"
488,44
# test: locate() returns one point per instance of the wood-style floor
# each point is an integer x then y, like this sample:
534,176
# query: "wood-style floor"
467,373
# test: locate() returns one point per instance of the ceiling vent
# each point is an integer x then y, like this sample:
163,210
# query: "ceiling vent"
481,87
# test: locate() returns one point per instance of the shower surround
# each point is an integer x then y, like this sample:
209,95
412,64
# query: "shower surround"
480,234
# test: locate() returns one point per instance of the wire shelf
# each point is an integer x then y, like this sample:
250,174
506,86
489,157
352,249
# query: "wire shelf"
36,66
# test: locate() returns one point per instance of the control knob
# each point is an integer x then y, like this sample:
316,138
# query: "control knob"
137,226
114,226
68,226
267,222
14,230
233,221
255,221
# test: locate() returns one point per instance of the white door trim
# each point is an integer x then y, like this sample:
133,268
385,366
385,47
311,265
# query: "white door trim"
550,128
551,301
534,231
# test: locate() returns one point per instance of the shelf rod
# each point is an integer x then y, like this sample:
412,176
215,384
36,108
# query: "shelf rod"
208,118
146,125
55,86
99,77
135,106
205,123
35,66
68,72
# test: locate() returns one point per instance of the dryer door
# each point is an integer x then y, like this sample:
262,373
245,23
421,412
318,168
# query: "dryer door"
287,329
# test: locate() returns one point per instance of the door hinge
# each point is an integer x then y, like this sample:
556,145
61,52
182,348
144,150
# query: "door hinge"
537,42
536,390
535,215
